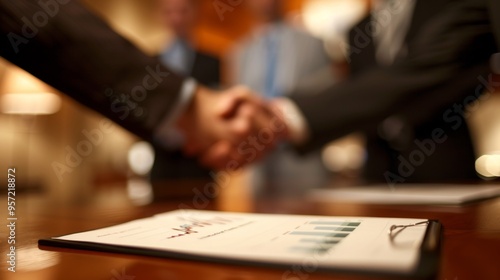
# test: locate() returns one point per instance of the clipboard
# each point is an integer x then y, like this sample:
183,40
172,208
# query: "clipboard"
273,241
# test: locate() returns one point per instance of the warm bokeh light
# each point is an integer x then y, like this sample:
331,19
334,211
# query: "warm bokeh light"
17,80
141,157
33,259
140,191
36,103
488,165
327,18
345,154
24,94
331,20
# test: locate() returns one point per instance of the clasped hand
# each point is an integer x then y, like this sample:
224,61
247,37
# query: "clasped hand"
234,127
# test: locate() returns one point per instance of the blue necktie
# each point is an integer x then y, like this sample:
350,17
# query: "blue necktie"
270,86
179,57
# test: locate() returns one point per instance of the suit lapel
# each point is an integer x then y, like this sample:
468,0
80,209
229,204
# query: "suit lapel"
362,47
423,11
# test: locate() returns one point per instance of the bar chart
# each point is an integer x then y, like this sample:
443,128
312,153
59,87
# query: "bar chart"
320,236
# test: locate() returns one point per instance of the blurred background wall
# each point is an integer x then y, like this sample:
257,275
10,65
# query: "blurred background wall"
48,130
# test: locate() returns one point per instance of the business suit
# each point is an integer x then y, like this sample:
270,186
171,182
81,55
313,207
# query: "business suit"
395,136
172,164
78,54
454,45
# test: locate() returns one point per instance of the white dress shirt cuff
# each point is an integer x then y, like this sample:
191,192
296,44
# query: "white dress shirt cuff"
166,134
298,129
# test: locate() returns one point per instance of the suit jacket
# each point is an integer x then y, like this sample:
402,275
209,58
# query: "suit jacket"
395,137
250,58
206,69
448,53
79,54
173,164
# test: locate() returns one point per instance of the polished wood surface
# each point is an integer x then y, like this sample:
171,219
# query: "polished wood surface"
471,247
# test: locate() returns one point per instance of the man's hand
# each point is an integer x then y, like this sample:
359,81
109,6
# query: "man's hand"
209,118
231,126
264,128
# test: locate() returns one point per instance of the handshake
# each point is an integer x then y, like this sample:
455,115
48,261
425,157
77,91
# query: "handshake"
230,129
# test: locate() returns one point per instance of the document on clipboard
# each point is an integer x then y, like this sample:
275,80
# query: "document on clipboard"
392,246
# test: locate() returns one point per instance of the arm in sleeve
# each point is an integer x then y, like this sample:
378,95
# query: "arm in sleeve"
451,44
71,49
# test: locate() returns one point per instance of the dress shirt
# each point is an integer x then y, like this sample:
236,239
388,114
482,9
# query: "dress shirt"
166,134
179,56
393,19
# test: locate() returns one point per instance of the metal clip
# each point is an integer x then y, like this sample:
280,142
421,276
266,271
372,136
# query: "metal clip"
392,229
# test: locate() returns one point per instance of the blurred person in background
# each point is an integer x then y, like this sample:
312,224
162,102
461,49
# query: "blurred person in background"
180,55
273,60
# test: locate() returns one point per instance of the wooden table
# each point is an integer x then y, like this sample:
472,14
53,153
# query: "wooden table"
471,248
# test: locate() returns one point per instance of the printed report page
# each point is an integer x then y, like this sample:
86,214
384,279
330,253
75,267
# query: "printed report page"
329,242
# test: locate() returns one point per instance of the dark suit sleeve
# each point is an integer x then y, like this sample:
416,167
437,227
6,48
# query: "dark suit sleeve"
452,45
206,70
74,51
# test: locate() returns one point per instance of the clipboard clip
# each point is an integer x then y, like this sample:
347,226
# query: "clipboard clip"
392,230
